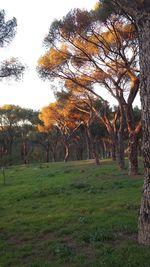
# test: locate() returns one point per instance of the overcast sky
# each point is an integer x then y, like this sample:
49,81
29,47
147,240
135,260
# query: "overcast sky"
34,18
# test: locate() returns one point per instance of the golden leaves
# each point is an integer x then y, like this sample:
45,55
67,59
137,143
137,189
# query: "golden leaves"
54,57
8,107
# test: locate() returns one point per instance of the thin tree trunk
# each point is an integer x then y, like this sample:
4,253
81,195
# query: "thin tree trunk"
93,146
66,152
47,155
24,151
120,158
87,145
104,149
144,40
10,151
113,149
120,139
53,154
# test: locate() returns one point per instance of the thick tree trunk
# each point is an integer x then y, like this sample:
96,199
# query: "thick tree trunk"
143,25
133,153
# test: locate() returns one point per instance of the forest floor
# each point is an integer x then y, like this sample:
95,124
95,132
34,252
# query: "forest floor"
71,214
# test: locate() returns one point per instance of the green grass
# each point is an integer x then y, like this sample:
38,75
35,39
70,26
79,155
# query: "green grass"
71,214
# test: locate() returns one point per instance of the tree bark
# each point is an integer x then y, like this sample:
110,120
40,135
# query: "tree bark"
66,152
114,149
133,153
143,25
93,146
120,159
87,144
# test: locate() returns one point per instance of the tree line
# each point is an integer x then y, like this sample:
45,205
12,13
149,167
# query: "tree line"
58,132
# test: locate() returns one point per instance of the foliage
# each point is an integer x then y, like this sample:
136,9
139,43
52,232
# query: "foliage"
12,67
7,29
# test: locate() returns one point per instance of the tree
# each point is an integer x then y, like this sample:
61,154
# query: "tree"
86,52
8,125
81,103
27,124
66,121
48,138
139,12
12,67
7,29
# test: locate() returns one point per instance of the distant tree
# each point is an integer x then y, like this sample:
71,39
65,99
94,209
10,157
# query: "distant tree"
12,67
8,125
27,125
48,137
80,103
64,120
7,29
16,122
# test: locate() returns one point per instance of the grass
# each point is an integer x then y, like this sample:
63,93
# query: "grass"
71,214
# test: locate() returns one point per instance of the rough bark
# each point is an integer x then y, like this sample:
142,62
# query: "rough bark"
113,151
133,153
143,25
121,160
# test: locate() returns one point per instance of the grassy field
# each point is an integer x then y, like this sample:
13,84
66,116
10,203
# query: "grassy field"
71,214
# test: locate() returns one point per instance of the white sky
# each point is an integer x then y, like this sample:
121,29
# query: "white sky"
34,18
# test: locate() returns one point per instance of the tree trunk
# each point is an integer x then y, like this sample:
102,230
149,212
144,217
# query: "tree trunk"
53,154
47,155
10,151
113,149
120,156
143,25
133,153
87,145
24,151
104,149
95,154
118,149
66,152
93,146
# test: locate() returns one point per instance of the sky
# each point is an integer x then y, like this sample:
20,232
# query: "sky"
34,18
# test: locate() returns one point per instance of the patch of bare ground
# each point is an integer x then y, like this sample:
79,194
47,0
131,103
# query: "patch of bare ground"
123,237
86,249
